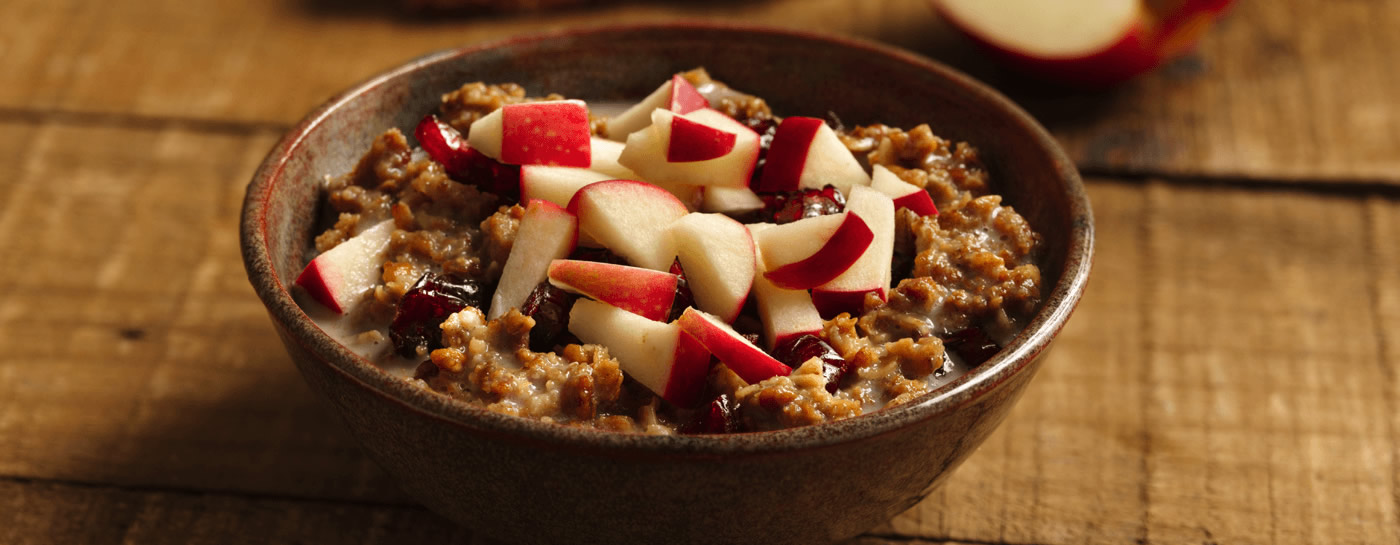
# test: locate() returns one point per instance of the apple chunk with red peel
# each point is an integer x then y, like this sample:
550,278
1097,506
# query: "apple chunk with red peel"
547,232
676,95
717,254
341,276
555,184
643,292
648,151
692,141
870,273
552,132
785,314
748,361
905,194
1086,43
807,154
631,218
657,354
812,251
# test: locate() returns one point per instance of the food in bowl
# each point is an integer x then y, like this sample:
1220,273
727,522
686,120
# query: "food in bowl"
692,264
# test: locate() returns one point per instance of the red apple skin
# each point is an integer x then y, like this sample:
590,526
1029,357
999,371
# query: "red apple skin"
840,251
684,97
782,169
314,279
546,133
643,292
1141,48
685,386
691,141
919,202
832,303
750,362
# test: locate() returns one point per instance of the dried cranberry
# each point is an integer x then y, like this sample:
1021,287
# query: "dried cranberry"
798,350
600,255
684,299
430,301
973,345
790,206
549,306
445,144
717,417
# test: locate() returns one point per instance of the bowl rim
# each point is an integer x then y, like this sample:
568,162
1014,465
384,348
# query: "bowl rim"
1012,359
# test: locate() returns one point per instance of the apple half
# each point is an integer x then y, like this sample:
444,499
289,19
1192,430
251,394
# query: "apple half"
871,272
676,95
1084,43
547,232
341,276
717,254
550,132
659,355
643,292
748,361
631,218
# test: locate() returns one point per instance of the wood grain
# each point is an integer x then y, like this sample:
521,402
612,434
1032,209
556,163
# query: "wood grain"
1292,90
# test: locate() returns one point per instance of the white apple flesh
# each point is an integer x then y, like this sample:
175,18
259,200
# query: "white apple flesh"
730,200
341,276
905,194
605,153
785,314
547,232
676,95
647,152
631,218
717,254
871,272
1085,43
807,154
812,251
748,361
555,184
552,132
643,292
659,355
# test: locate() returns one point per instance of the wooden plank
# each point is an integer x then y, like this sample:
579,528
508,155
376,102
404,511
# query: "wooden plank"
134,352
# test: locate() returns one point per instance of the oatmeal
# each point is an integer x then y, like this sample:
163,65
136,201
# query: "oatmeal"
695,264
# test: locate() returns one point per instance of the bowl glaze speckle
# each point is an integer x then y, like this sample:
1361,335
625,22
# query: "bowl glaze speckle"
527,481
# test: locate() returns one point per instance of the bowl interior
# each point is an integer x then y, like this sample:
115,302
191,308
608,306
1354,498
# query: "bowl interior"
799,74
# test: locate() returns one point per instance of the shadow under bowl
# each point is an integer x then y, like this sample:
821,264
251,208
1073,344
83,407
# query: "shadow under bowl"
527,481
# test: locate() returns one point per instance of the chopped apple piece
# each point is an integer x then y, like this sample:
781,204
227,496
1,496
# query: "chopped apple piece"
717,254
643,292
676,95
657,354
807,154
552,132
870,273
748,361
905,194
730,200
630,218
605,154
785,314
547,232
555,184
341,276
812,251
647,152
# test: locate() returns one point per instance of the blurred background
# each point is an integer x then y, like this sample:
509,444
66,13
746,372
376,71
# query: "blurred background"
1232,375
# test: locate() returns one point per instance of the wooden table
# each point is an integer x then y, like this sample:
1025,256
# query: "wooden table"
1231,376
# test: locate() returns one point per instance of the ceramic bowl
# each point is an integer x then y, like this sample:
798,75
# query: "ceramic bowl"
526,481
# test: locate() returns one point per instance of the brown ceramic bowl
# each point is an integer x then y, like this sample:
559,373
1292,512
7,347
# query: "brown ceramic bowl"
527,481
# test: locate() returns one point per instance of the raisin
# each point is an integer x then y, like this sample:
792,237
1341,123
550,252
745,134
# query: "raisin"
600,255
717,417
445,144
799,349
973,345
549,306
790,206
684,299
423,308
